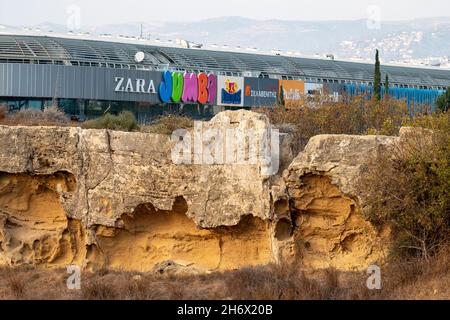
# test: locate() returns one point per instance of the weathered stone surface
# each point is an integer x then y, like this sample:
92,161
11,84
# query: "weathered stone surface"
100,198
126,192
340,157
117,171
325,205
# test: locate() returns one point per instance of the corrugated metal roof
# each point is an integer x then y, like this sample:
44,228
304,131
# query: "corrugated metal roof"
58,50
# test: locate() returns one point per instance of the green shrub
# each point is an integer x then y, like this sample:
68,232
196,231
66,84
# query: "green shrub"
443,102
125,121
408,187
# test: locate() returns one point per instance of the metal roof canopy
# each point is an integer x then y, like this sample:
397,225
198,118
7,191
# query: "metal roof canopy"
58,50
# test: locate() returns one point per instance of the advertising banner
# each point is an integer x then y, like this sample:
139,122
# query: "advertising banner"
293,91
260,92
230,91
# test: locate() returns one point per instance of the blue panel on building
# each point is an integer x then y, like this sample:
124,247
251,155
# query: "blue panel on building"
260,92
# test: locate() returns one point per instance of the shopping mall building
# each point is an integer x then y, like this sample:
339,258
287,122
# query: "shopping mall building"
88,77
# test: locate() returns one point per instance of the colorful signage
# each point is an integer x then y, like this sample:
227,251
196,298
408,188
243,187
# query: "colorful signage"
293,91
177,87
230,91
260,92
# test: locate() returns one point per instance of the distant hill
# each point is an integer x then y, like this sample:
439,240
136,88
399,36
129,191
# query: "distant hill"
421,41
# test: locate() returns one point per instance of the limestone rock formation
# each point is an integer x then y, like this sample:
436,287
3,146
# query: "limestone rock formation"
328,228
99,198
136,207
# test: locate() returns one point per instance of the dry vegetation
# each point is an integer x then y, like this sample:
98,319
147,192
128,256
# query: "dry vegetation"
168,124
124,121
50,116
408,187
3,111
356,116
405,279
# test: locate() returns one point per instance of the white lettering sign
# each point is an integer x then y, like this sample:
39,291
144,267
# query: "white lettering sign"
134,86
263,94
292,94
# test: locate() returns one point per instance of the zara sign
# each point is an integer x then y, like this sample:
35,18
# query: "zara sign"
170,87
135,86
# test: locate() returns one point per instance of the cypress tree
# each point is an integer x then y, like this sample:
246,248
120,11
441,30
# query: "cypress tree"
443,102
386,86
281,101
377,77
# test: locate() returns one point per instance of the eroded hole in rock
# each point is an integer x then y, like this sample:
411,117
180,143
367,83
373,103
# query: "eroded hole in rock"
329,228
150,237
283,230
281,207
34,228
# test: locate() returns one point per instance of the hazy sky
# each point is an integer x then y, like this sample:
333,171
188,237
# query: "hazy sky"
96,12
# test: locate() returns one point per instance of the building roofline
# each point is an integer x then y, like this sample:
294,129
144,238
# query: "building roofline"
156,44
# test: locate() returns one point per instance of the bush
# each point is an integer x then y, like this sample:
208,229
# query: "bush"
443,102
55,115
51,116
408,187
168,124
125,121
3,111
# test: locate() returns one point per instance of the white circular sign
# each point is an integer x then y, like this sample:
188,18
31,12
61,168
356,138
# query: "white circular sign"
139,57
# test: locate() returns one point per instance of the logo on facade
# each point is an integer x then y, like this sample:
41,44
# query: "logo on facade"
188,88
231,93
260,93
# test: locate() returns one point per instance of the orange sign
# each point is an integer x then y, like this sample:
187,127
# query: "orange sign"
248,91
293,91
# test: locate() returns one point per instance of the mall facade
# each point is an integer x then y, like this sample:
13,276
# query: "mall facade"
88,78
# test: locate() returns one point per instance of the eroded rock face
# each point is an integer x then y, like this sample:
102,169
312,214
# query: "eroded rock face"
104,199
147,237
34,228
325,206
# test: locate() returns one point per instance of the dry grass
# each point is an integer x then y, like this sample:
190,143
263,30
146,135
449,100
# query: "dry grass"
419,279
168,124
98,290
17,285
401,279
